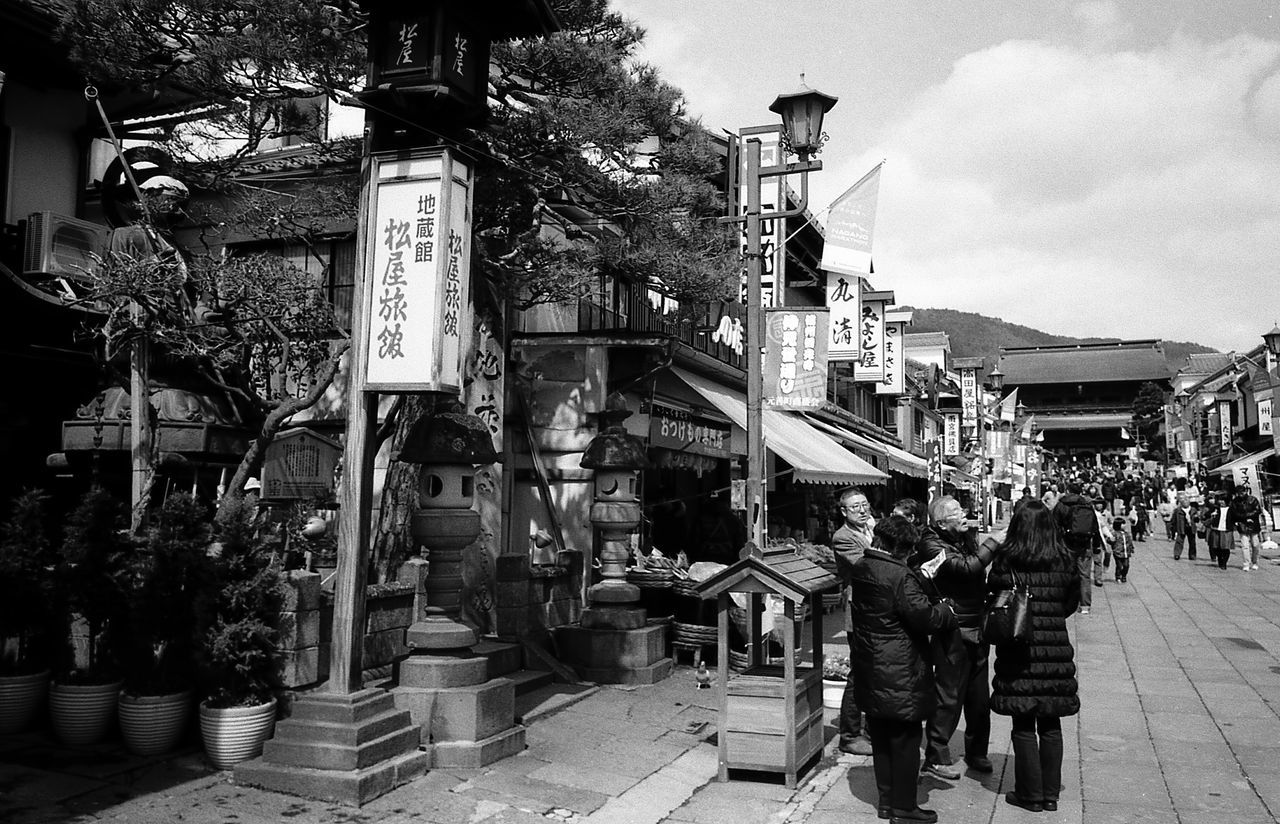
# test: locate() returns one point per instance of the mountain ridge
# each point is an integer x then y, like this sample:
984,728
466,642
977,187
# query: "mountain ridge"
974,335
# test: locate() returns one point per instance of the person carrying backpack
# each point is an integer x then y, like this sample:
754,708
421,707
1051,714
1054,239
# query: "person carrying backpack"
1078,524
1245,518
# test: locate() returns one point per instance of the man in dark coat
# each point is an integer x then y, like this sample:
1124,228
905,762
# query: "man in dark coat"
1069,515
851,540
891,618
948,553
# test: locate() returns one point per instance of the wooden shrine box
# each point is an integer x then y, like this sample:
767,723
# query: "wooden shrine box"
770,715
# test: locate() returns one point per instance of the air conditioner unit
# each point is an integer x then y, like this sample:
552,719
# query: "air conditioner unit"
61,246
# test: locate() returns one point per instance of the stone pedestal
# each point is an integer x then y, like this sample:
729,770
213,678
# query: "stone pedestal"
608,655
467,719
343,748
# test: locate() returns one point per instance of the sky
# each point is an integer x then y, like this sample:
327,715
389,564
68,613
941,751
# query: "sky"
1095,168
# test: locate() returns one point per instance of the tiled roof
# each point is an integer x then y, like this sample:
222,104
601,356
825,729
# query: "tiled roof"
1084,363
1206,363
920,340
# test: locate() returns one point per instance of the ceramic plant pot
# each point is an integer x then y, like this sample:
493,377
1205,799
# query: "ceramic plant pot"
235,734
152,724
21,697
832,693
82,713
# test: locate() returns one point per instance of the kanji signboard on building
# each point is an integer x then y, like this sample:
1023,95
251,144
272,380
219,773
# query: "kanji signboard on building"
417,273
795,358
844,299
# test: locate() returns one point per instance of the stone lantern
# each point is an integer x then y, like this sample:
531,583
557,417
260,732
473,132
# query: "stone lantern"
467,718
613,643
617,458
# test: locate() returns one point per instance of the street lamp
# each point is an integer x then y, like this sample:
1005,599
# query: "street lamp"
802,112
995,379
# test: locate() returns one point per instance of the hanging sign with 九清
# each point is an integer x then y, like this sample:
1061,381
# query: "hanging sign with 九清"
951,433
844,299
795,358
869,367
415,289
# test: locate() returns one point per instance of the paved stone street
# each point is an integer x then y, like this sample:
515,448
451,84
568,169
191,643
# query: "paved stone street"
1180,723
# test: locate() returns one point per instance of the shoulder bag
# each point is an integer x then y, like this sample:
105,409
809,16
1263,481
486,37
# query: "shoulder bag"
1008,616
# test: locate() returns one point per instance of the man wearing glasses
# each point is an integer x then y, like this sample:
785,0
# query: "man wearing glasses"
851,540
948,553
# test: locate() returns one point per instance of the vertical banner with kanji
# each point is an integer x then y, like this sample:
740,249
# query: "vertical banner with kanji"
895,362
795,358
869,367
951,433
969,398
416,283
1264,417
1224,424
844,300
933,458
773,195
1170,432
1034,470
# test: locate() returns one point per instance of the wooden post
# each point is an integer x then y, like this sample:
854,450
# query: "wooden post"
140,434
722,684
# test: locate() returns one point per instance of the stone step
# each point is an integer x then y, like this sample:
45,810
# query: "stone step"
325,755
339,734
504,658
529,680
342,709
549,699
349,787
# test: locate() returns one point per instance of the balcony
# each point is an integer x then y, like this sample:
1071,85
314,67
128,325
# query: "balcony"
711,327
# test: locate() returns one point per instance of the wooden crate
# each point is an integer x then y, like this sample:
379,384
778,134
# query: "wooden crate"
755,727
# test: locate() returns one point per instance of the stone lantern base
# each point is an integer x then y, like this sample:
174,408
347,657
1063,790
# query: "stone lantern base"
615,656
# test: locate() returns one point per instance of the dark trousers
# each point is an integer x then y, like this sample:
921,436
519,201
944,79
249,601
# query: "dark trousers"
962,684
1224,552
895,756
850,717
1037,763
1122,568
1190,537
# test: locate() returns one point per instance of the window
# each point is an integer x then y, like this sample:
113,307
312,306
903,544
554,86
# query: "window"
331,261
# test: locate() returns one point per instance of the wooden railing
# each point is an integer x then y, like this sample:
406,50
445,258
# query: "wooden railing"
710,327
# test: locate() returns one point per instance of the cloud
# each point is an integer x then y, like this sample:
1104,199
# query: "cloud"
1127,193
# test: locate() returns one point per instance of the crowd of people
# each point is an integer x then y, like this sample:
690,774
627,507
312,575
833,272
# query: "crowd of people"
917,584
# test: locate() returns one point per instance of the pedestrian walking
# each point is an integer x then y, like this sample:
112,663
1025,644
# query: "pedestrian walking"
1105,538
1078,524
1185,522
849,544
1035,682
1165,510
1248,522
889,643
1217,534
957,568
1122,548
1141,520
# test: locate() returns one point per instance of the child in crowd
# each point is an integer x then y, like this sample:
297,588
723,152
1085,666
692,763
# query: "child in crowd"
1121,548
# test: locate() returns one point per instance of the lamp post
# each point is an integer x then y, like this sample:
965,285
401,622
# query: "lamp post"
802,112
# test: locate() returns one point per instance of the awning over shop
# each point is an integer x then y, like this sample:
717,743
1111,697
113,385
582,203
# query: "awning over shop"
899,460
1247,460
1108,421
958,476
815,457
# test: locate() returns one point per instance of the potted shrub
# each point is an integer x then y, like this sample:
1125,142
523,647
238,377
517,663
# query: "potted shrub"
27,561
240,660
92,577
835,674
169,583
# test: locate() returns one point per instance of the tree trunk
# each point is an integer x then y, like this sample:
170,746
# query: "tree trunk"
392,543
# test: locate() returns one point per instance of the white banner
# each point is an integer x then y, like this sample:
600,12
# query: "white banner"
850,223
1264,417
1224,423
951,434
844,299
772,199
895,362
870,364
416,283
1246,475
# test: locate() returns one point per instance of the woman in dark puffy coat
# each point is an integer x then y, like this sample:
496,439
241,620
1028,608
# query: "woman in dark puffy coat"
891,619
1035,682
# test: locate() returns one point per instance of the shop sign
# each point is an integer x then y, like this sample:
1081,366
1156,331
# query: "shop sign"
795,358
895,366
844,299
951,433
773,257
416,283
729,332
670,459
1264,417
869,367
969,398
933,458
682,431
1170,432
1246,475
1190,451
1224,424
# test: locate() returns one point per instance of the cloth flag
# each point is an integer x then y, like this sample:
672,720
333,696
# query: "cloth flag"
1026,427
847,246
1009,408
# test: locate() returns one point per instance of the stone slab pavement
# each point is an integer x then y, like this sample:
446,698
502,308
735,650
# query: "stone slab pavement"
1180,686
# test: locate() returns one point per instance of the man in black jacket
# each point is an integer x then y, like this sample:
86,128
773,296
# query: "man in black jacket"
1081,535
850,541
948,554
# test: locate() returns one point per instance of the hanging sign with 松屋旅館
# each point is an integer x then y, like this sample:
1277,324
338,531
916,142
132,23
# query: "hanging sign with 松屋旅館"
795,358
416,281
